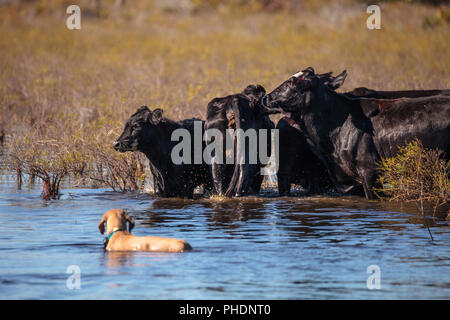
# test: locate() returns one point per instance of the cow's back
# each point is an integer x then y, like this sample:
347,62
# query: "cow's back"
402,120
378,94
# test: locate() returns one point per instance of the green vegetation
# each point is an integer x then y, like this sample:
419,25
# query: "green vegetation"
65,94
416,174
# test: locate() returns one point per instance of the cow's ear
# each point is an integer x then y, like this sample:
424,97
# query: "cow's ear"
157,115
144,113
308,71
143,109
338,80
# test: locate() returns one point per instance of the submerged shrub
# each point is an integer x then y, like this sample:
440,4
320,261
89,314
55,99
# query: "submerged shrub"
51,160
48,159
120,172
415,174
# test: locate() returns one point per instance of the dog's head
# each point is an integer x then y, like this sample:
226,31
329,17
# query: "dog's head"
115,219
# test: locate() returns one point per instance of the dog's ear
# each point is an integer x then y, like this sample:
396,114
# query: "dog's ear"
130,221
101,225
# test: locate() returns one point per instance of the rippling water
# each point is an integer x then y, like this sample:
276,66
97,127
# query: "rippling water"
248,248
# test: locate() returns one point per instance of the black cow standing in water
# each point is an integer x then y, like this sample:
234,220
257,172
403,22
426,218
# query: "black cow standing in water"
297,164
350,134
238,111
150,133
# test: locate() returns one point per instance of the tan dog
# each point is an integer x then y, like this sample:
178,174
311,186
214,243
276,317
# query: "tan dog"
119,239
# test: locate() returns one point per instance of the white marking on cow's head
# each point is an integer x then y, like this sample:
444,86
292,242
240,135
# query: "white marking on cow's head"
298,74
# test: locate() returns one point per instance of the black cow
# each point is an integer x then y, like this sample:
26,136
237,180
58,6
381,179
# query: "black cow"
396,122
297,164
349,134
238,111
150,133
390,110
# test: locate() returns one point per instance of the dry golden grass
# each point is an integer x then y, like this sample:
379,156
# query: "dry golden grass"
87,82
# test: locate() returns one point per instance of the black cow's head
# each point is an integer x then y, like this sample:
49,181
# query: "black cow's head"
254,93
138,129
294,94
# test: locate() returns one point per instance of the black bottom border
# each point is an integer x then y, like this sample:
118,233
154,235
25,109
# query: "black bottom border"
221,309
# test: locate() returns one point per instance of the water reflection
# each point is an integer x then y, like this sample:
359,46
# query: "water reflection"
224,213
119,259
300,217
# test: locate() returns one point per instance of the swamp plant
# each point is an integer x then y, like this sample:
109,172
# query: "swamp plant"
416,174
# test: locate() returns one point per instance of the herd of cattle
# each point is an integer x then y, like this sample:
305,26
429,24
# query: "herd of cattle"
327,139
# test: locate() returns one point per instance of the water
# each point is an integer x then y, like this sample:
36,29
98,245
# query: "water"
248,248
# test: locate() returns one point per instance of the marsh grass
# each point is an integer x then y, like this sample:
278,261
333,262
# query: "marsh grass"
75,89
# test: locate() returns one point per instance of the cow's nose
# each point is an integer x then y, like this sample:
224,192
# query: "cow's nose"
116,145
